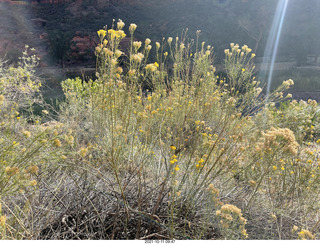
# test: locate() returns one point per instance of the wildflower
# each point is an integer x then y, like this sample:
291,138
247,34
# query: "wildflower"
102,33
148,48
132,28
120,24
244,233
147,41
11,171
229,208
83,152
1,99
169,40
138,57
120,34
151,67
252,183
165,54
33,183
118,53
173,161
3,219
119,70
244,47
273,136
26,133
287,83
45,112
176,168
114,62
112,33
156,64
107,51
57,143
33,169
98,50
305,234
173,148
182,46
312,102
131,72
157,45
294,229
136,44
253,55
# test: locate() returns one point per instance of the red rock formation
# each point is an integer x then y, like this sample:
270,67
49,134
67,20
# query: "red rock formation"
82,46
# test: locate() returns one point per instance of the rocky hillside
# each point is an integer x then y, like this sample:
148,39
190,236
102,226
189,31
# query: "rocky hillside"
64,31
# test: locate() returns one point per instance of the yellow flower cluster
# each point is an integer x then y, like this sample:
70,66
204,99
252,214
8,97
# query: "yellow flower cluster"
83,151
236,50
3,219
1,99
33,169
11,171
120,24
200,163
173,159
102,33
138,57
26,133
246,49
231,217
33,182
132,28
215,195
306,235
116,34
57,143
273,137
137,45
288,83
152,67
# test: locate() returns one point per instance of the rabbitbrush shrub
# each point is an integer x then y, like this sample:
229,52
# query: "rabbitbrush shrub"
163,150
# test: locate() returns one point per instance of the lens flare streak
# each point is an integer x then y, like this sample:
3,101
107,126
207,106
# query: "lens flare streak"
272,44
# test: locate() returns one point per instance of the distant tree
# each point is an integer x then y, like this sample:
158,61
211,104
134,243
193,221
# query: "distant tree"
256,19
60,46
